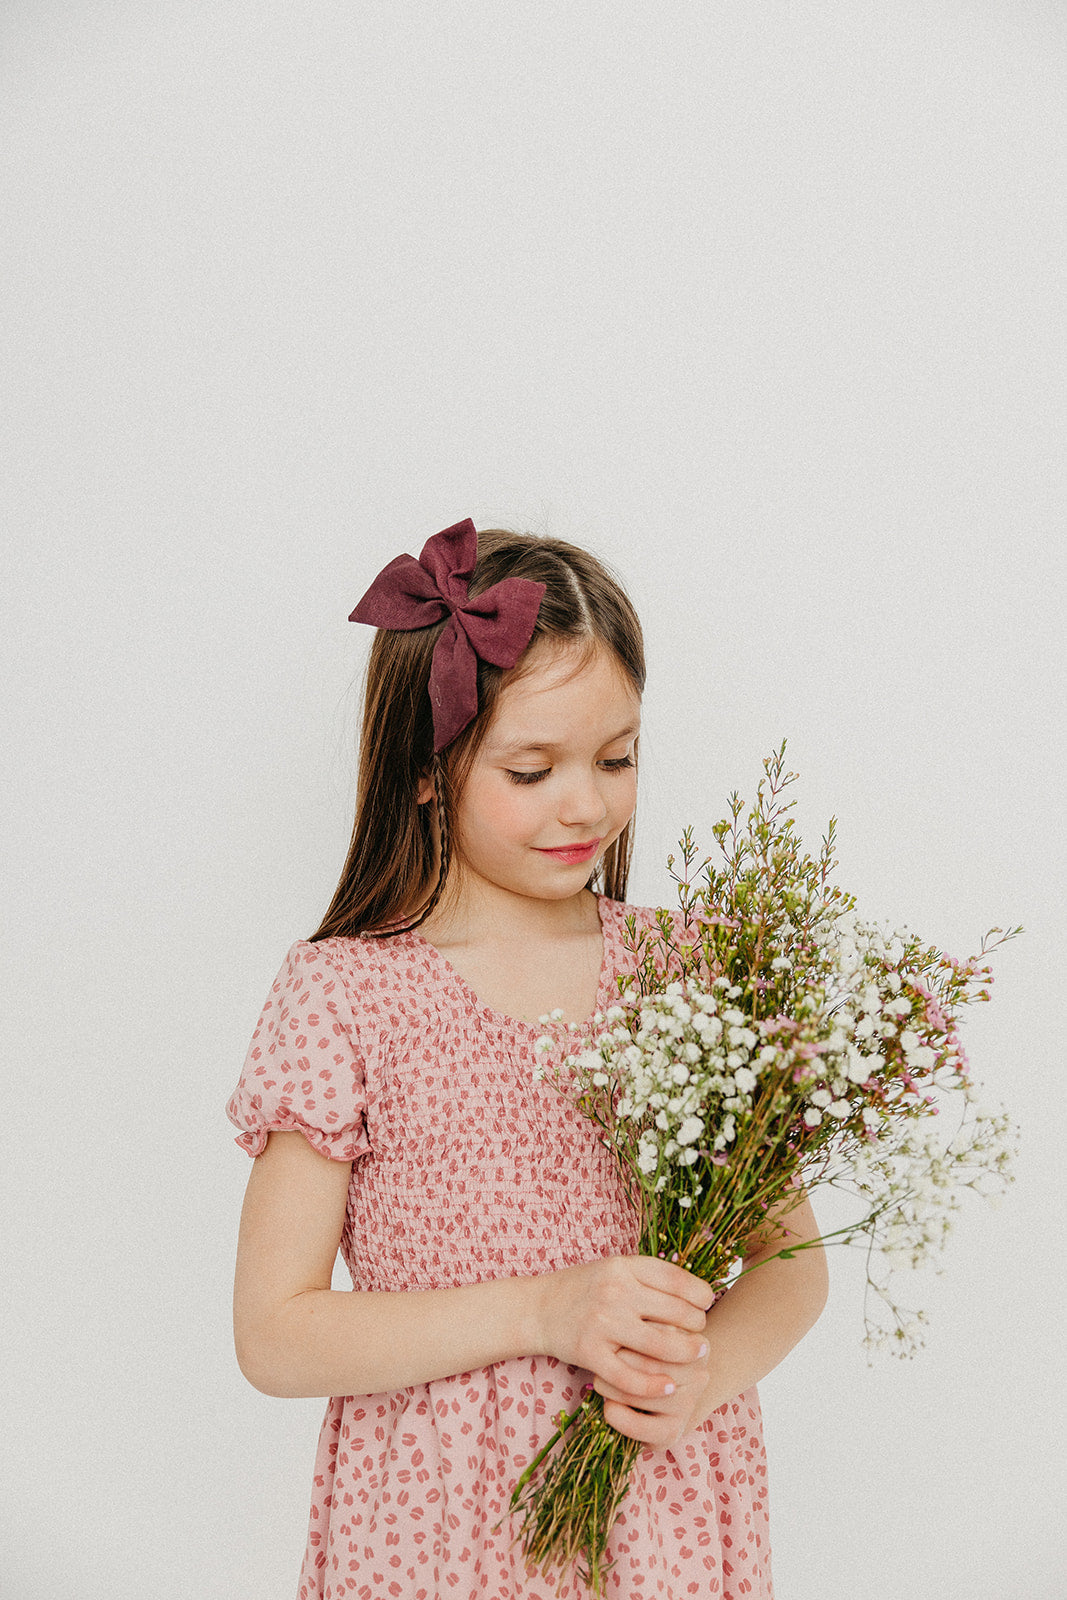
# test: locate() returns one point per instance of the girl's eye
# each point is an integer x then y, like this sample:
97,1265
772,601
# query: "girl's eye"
618,765
529,777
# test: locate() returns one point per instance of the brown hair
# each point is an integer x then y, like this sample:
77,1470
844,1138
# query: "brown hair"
391,854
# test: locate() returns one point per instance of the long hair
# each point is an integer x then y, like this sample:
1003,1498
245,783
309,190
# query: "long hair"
387,876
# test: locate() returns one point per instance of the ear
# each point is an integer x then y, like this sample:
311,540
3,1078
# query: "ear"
425,791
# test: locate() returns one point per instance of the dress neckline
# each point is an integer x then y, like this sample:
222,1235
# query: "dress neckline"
491,1014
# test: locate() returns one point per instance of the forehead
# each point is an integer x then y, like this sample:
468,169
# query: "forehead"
564,694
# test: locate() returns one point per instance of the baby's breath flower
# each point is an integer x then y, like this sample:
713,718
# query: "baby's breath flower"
696,1075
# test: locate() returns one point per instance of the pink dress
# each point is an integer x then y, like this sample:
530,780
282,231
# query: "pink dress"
465,1168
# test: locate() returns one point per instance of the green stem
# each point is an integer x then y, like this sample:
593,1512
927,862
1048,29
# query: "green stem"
556,1437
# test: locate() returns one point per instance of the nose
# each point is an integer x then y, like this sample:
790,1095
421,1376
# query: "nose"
582,803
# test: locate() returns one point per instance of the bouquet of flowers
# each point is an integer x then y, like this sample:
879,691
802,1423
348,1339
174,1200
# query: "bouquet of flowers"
770,1043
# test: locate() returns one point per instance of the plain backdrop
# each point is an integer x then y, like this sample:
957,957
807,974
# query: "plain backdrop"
762,302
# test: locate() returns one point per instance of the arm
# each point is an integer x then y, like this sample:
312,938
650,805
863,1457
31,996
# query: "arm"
750,1329
296,1336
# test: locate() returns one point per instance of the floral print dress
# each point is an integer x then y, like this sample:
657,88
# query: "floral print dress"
466,1167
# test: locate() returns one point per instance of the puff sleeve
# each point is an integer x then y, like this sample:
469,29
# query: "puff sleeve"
303,1070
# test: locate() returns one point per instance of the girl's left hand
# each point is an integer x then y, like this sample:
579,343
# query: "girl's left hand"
663,1420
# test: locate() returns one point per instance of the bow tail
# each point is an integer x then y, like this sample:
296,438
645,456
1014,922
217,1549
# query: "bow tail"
453,683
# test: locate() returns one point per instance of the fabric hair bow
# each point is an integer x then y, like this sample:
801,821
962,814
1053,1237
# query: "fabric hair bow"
495,626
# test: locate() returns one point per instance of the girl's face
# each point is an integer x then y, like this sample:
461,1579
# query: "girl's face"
554,771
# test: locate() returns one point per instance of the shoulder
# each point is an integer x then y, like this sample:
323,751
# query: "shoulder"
380,977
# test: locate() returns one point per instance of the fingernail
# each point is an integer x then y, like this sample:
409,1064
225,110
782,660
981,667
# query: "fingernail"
668,1388
703,1350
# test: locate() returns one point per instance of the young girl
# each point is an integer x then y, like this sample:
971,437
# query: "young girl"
390,1101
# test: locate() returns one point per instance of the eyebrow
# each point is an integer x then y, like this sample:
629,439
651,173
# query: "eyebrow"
521,747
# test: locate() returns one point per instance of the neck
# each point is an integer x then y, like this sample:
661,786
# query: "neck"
466,918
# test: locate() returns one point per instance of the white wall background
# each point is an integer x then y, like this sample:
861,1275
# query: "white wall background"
763,302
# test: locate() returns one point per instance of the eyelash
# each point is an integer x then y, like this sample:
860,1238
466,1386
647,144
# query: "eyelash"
535,777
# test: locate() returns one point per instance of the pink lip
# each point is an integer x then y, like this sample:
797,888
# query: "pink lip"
574,852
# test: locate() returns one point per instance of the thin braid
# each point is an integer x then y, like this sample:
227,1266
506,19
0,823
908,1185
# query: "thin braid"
446,843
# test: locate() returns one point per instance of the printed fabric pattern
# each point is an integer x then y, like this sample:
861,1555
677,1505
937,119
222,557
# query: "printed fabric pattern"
465,1168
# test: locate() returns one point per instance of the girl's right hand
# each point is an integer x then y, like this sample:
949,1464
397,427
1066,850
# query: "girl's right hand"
590,1312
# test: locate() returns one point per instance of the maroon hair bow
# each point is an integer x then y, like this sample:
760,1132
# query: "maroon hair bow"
495,626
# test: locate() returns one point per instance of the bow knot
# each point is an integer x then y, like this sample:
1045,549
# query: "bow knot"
494,626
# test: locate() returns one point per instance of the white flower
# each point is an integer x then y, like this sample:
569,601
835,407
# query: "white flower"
690,1130
858,1068
745,1079
544,1044
812,1117
909,1039
780,963
839,1108
685,1202
820,1097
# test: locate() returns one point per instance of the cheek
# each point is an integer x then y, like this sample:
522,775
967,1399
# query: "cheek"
498,812
625,803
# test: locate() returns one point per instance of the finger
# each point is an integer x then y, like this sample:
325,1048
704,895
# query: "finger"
668,1308
675,1280
642,1386
644,1364
651,1430
662,1343
670,1371
650,1405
